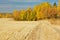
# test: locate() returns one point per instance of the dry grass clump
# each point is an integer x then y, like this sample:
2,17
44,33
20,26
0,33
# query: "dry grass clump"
55,21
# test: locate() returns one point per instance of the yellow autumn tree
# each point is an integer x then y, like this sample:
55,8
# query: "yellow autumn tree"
54,12
58,9
0,15
42,9
8,15
16,14
40,15
21,15
46,8
28,14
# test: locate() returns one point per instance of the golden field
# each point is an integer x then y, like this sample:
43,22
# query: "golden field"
28,30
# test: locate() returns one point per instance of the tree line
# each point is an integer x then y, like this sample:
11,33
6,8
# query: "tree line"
42,11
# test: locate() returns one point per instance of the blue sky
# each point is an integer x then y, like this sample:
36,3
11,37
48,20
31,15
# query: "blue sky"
10,5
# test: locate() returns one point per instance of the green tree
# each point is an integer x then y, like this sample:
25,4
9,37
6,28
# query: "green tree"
55,4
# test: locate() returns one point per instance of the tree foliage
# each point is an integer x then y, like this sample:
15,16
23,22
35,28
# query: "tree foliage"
42,11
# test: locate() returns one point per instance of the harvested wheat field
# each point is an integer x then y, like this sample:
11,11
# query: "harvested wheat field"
28,30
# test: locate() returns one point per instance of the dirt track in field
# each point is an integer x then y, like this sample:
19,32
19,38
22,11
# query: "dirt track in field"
28,30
